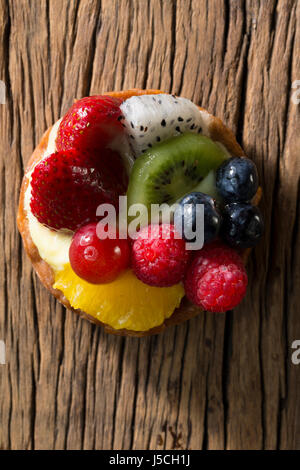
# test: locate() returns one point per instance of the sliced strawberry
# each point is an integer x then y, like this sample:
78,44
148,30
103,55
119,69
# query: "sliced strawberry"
91,123
68,186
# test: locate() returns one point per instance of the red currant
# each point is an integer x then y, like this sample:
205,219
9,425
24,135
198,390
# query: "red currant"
95,260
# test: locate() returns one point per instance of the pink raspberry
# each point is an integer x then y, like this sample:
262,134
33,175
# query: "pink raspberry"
158,257
216,280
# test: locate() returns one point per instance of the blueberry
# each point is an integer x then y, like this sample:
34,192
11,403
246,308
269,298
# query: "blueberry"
237,179
242,224
185,216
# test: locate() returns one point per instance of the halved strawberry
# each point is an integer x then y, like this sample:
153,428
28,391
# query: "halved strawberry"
68,186
91,123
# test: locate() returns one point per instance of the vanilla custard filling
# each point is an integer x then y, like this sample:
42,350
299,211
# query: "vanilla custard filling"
54,246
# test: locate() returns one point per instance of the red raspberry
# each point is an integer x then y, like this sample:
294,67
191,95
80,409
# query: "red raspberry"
158,258
67,187
91,123
216,280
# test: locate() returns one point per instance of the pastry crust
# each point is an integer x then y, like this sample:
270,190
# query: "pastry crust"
186,311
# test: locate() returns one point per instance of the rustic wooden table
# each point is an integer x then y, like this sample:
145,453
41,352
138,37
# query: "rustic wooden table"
224,381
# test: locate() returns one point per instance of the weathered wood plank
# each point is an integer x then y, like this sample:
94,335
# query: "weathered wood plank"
217,382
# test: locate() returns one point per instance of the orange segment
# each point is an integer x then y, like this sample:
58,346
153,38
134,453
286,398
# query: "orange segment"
124,303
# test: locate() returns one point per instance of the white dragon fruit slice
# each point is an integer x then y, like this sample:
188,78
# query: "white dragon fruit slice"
150,119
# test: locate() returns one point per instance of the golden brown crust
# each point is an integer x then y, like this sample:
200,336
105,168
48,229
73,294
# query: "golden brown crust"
186,310
125,94
219,132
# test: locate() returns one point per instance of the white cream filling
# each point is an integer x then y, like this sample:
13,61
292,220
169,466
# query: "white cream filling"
54,246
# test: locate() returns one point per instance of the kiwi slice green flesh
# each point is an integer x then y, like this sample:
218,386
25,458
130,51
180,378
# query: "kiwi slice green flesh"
208,186
173,168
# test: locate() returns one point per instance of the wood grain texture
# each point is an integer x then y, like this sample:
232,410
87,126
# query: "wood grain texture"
224,381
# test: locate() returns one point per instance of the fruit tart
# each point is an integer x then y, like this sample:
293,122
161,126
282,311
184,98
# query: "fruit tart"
87,219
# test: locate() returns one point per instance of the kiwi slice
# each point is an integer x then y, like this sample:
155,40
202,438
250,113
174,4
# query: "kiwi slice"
173,168
208,186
